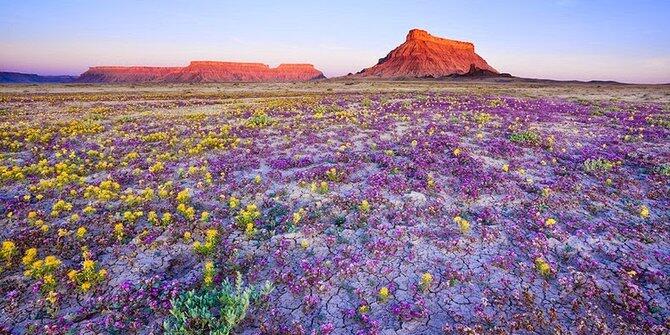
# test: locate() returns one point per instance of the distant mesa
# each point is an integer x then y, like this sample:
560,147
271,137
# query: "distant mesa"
201,72
29,78
423,55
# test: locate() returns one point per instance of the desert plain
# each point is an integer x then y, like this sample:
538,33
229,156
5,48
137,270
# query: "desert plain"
493,206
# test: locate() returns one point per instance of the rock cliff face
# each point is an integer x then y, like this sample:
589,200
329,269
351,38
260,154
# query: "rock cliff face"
424,55
201,72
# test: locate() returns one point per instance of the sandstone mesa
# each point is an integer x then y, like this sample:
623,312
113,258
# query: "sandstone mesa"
424,55
201,72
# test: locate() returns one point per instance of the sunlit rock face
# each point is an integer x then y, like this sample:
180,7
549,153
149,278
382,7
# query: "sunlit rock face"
202,72
425,55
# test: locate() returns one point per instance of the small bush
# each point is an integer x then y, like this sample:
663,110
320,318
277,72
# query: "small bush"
598,165
525,137
216,310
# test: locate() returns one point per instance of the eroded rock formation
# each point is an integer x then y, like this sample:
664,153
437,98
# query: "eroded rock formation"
425,55
201,72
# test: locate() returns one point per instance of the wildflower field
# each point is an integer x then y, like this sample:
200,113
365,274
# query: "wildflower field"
394,209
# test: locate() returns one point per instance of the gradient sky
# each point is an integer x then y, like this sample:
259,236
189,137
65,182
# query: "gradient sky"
628,41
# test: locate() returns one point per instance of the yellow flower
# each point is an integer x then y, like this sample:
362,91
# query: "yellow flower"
88,210
258,179
29,256
644,212
384,293
457,152
52,297
550,222
85,286
8,250
233,202
463,224
167,218
297,216
183,196
52,262
88,265
72,275
542,267
187,235
363,309
364,206
81,232
426,280
49,280
545,192
505,167
304,243
118,231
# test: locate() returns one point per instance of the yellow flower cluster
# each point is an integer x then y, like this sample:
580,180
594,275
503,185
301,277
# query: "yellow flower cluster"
130,216
333,175
426,280
107,190
550,222
211,239
119,231
233,202
384,294
208,273
297,216
157,167
89,275
39,268
247,217
321,187
542,267
364,206
81,232
463,224
60,206
644,212
7,252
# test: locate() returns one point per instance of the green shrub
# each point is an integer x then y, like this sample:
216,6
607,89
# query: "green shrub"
525,137
598,165
259,119
663,169
215,310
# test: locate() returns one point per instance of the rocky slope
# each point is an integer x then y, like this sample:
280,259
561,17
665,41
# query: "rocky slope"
202,72
424,55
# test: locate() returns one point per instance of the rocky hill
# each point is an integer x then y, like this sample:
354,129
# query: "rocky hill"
424,55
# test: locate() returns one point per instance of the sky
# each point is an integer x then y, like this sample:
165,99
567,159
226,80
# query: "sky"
627,41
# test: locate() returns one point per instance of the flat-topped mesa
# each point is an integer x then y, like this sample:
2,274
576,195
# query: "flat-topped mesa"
422,35
202,72
424,55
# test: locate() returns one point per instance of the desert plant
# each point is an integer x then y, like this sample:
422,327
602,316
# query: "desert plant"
598,165
213,310
525,137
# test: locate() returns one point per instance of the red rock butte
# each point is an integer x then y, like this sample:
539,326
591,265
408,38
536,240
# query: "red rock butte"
201,72
424,55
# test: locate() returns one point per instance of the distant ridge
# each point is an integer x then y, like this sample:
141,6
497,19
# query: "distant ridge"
201,72
29,78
